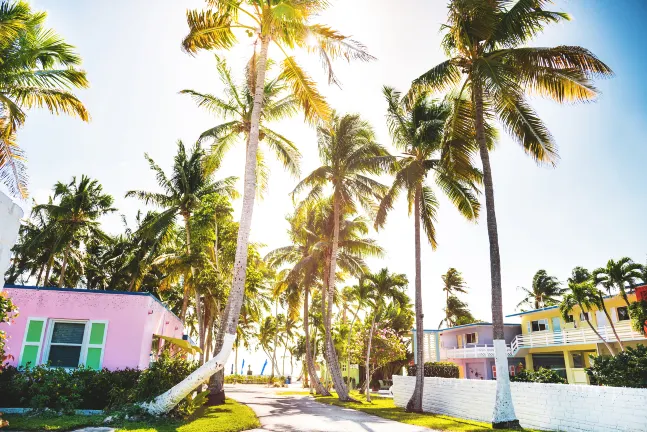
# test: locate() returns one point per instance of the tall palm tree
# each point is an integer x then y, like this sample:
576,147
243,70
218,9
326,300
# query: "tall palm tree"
585,296
236,108
383,286
348,152
287,24
182,192
38,70
457,312
452,283
76,214
491,72
544,292
618,274
416,127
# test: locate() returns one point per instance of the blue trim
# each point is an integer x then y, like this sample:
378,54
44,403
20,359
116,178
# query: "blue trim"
87,291
532,311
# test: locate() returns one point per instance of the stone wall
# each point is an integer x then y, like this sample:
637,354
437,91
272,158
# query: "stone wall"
558,407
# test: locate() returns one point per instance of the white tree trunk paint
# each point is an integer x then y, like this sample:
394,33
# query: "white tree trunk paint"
503,407
167,401
10,215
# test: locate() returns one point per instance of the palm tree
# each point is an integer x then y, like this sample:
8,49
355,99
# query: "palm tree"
287,24
545,291
182,193
457,313
416,127
491,72
585,296
618,274
348,152
382,286
452,283
236,107
76,215
360,295
643,273
38,70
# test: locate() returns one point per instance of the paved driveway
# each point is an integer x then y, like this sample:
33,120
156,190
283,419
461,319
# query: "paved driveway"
301,414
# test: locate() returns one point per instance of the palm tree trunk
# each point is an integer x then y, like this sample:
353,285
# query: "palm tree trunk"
66,256
415,403
50,263
165,402
331,355
368,359
276,337
613,327
236,360
285,350
310,366
350,333
588,321
504,415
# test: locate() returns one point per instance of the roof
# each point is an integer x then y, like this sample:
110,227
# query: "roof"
466,325
89,291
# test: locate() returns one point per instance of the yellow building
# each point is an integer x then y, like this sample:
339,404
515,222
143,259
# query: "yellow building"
565,346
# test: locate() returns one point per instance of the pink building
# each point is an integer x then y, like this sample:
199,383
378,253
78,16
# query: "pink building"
98,329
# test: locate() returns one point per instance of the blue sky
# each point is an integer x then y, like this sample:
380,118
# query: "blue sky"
590,208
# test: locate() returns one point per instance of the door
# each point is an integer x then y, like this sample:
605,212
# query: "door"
557,330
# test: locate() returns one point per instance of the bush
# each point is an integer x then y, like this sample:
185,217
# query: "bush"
625,369
638,315
253,379
436,369
543,376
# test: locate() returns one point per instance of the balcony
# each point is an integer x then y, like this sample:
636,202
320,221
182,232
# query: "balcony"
582,335
476,351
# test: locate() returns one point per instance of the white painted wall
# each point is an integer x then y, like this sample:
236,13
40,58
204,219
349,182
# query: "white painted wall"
10,215
557,407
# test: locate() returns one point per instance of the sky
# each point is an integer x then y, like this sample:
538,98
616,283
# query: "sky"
589,208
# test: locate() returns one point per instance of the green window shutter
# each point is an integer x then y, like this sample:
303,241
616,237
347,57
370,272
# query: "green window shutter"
96,344
32,343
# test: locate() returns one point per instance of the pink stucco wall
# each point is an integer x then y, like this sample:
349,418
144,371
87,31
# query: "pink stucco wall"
132,320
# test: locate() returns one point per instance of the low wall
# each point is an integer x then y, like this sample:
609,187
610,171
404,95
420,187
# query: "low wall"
558,407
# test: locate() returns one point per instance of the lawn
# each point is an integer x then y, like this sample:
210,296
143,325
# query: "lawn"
385,407
230,417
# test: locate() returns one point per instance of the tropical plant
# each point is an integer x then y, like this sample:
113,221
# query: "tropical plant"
490,73
236,107
579,275
585,296
287,24
38,70
457,313
627,369
542,376
358,294
416,127
618,274
544,292
349,154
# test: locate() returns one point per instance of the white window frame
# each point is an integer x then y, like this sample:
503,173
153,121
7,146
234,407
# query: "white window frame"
545,322
476,338
38,344
83,345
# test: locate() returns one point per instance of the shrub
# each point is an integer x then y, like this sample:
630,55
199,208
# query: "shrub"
638,315
436,369
625,369
543,376
253,379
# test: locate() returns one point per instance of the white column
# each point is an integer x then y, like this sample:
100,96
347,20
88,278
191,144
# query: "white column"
10,215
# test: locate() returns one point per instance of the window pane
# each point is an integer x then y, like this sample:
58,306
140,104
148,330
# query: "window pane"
578,360
64,356
623,314
69,333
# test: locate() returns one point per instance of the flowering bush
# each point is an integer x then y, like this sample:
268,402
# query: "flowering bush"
8,312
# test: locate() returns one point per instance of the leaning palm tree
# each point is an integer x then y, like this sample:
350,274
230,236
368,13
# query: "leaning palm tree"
236,108
287,24
181,195
584,296
545,291
38,70
490,73
452,283
618,274
416,127
349,154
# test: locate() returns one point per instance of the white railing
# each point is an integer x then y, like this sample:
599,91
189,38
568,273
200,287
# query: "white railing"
476,351
582,335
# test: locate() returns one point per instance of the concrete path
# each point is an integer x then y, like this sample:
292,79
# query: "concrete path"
300,413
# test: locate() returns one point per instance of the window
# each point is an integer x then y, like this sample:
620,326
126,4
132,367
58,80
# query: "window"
539,325
578,360
584,316
66,343
623,313
570,319
471,338
513,370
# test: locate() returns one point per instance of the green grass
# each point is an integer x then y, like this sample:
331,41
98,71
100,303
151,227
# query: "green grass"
304,392
230,417
385,407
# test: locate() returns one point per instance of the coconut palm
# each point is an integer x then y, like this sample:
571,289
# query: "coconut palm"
452,283
182,192
38,70
76,215
544,292
236,108
490,73
348,152
618,274
643,273
416,127
585,296
383,287
457,313
579,275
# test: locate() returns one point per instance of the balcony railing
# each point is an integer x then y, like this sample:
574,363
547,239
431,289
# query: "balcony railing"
477,351
582,335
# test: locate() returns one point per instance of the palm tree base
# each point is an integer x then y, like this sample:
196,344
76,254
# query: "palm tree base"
216,398
511,424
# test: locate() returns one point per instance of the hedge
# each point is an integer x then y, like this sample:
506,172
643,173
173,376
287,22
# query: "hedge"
436,369
253,379
628,368
543,376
